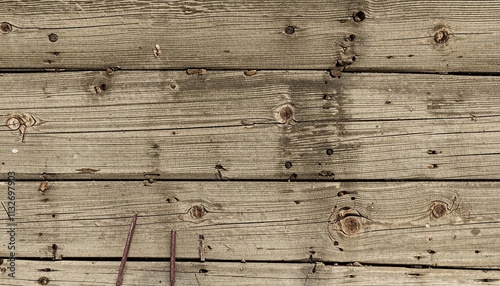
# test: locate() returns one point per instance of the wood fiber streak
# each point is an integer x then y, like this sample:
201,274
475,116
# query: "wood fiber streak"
240,274
273,125
447,224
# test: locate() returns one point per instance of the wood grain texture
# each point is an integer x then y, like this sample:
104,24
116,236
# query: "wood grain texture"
432,35
239,274
225,125
452,224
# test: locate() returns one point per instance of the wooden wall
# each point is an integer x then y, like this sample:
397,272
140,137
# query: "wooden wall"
318,142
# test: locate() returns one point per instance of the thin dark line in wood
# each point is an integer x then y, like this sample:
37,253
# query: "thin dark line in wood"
126,250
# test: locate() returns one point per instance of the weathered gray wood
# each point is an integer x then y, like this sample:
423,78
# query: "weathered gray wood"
414,223
432,35
225,125
204,274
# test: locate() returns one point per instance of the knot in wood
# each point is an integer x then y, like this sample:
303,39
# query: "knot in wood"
197,211
14,123
5,27
350,225
439,209
442,36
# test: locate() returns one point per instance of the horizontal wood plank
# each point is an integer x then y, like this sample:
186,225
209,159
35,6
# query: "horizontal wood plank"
451,224
238,274
389,35
225,125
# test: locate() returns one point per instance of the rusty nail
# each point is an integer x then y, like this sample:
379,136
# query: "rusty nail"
173,235
126,250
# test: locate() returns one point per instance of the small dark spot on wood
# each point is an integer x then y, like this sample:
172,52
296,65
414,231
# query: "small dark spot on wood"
53,215
203,270
389,57
351,276
329,152
173,86
442,36
220,167
341,249
155,146
292,177
487,280
411,56
432,152
172,200
327,174
289,30
433,166
43,281
43,186
460,57
351,37
296,202
387,102
359,16
45,200
88,170
174,133
417,257
353,198
335,73
415,274
430,251
53,37
40,234
209,247
477,251
341,193
475,231
336,243
327,97
56,53
197,211
226,51
45,270
250,72
288,165
99,89
5,27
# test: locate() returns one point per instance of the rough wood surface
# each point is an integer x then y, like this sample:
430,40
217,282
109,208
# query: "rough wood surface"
238,274
225,125
432,35
413,223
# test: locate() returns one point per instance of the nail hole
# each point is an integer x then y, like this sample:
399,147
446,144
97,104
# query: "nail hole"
289,30
5,27
351,37
329,152
336,243
430,251
43,281
288,165
477,251
353,198
327,97
53,215
203,270
296,202
53,37
340,194
359,16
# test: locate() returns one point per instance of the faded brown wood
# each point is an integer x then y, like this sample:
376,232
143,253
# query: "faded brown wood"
432,35
202,274
453,224
225,125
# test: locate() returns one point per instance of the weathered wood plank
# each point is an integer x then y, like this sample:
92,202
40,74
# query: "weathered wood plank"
231,126
395,35
413,223
210,273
